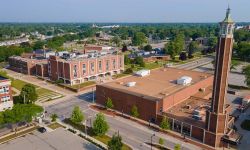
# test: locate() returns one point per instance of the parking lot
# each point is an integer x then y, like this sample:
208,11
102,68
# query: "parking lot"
59,139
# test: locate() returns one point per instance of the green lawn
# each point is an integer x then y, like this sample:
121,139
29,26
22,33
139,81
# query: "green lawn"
82,85
41,91
55,125
7,138
18,84
104,139
117,76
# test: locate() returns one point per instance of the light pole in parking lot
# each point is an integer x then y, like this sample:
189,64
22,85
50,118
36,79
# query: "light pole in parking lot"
93,97
152,140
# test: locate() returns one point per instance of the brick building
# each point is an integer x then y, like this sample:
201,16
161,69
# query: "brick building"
154,93
78,70
29,66
73,68
199,110
6,100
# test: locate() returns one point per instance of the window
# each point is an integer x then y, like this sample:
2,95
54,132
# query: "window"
100,65
5,98
75,71
92,67
49,67
107,65
120,62
4,90
84,71
114,64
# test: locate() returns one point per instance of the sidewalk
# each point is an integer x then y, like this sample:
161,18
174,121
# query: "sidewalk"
82,133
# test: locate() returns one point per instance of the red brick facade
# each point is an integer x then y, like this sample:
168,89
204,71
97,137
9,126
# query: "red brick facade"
79,70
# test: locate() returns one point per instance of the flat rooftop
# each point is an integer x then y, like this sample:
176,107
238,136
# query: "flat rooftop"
33,60
159,84
201,102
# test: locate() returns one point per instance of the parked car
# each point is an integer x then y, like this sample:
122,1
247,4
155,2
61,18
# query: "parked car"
42,129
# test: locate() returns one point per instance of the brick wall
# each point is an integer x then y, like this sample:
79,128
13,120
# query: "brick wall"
183,94
123,102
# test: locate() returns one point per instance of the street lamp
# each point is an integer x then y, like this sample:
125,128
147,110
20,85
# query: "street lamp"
89,118
93,95
152,140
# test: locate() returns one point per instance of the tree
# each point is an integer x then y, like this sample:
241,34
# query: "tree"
234,64
109,103
115,143
246,72
53,117
21,113
175,47
100,125
134,111
212,42
165,124
116,40
124,48
28,94
139,39
139,60
1,118
39,45
148,48
183,56
177,147
161,141
77,116
193,47
126,60
242,50
128,71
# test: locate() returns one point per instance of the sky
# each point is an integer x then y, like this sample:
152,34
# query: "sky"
124,11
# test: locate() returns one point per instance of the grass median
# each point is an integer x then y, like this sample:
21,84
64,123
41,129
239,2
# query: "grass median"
104,139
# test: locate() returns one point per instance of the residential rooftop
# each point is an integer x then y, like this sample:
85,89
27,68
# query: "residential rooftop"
159,84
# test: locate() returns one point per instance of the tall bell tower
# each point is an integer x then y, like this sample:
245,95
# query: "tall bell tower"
217,117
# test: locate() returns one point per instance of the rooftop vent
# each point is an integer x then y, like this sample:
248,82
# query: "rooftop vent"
142,73
131,84
185,80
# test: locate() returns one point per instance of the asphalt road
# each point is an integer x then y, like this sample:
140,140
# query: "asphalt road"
132,133
195,64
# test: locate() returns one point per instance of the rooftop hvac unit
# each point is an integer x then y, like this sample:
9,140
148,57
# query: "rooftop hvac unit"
185,80
142,73
131,84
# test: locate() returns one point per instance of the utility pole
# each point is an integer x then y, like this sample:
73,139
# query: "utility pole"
152,140
86,128
24,97
93,95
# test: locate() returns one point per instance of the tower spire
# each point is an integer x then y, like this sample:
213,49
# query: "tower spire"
228,18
